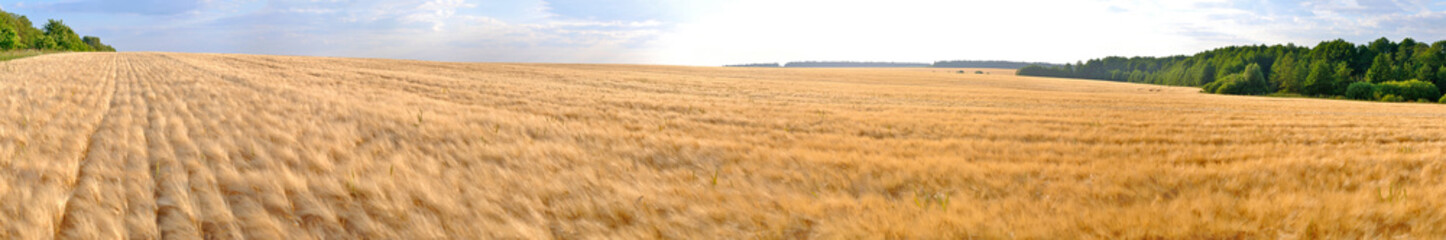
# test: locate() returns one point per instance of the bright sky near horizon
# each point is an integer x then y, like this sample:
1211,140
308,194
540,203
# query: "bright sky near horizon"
719,32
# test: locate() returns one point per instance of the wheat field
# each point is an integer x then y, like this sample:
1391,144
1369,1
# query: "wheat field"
216,146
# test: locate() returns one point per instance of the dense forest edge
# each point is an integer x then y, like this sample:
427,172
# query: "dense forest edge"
17,33
937,64
1382,70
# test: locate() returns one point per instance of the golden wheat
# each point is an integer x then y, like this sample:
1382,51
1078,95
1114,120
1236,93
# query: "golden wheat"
183,146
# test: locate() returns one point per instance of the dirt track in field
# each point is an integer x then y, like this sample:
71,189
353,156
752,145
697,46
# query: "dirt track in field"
185,146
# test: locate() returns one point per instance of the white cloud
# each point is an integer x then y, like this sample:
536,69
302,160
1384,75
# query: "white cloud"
1028,30
633,24
437,12
462,36
311,10
914,30
741,31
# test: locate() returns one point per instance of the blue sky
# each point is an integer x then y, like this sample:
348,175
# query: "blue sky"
703,32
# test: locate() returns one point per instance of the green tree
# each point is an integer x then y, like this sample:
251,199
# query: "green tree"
1392,98
1207,73
1255,80
1424,73
1380,70
1402,71
1342,79
1413,90
1327,69
1441,75
95,44
1226,85
1405,51
1361,91
1381,46
1438,53
1319,81
29,36
1281,71
9,39
1424,90
1137,76
64,37
1334,50
1251,81
1295,83
43,42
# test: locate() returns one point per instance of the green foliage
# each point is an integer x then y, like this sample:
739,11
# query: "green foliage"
1422,89
1282,73
1295,82
1255,76
1334,50
1342,79
1380,70
1327,70
1361,91
17,32
1424,73
1250,82
9,39
1392,98
1441,77
94,43
1320,80
1037,70
64,37
1381,45
44,42
1137,76
18,54
1214,87
1408,90
1206,74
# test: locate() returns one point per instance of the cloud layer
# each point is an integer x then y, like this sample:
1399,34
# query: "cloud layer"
721,32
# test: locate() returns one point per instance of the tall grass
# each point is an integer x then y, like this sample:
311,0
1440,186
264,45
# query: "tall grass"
18,54
276,147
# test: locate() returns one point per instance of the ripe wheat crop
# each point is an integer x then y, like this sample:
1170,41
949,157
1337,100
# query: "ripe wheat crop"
184,146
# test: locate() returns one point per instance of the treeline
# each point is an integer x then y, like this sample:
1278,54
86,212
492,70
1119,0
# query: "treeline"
938,64
1379,70
17,32
988,64
845,64
754,65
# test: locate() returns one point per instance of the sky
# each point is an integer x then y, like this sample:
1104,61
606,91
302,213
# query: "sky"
717,32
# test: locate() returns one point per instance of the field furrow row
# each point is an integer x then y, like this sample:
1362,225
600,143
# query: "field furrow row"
112,195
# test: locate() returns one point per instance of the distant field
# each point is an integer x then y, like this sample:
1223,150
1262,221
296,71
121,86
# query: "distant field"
184,146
